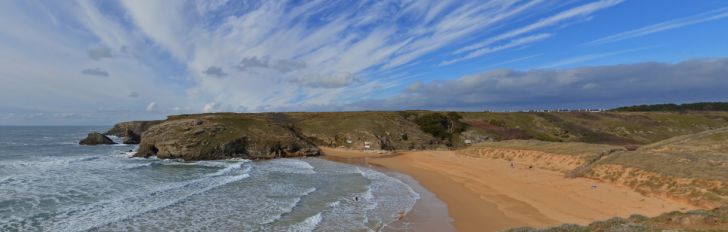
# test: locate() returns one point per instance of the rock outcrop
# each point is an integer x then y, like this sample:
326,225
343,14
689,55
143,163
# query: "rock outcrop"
271,135
96,139
212,137
131,138
138,127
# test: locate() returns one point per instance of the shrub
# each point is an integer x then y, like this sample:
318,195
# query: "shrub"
441,126
547,138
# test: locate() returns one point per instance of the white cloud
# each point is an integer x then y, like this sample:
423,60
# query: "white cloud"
579,11
336,80
592,57
64,115
598,87
211,107
152,106
699,18
511,61
415,87
590,86
513,43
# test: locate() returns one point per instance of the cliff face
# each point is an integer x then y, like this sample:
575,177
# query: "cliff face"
137,127
270,135
208,137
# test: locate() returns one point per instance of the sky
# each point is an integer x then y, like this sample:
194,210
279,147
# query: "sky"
103,62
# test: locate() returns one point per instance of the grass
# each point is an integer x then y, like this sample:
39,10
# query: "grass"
694,220
627,129
581,150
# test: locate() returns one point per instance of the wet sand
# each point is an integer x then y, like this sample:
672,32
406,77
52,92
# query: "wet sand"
429,214
484,194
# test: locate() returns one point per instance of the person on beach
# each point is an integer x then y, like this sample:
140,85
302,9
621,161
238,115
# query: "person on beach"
530,166
356,198
511,165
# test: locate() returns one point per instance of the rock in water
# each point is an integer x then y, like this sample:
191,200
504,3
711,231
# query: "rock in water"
96,139
131,138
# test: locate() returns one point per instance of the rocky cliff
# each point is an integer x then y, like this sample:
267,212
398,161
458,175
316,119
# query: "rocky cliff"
270,135
131,138
221,136
137,127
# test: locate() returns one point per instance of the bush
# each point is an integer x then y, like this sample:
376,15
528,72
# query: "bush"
441,126
547,138
496,122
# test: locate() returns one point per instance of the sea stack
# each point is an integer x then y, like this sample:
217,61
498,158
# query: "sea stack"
96,139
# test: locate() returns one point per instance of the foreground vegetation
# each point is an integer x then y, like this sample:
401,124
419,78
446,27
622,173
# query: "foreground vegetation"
694,220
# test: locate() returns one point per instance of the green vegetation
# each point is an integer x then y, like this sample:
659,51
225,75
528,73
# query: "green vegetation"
694,220
627,129
441,126
580,150
700,106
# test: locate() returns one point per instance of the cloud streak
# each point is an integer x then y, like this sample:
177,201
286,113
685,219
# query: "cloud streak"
579,11
672,24
513,43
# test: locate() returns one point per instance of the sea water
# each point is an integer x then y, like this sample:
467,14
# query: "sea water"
50,183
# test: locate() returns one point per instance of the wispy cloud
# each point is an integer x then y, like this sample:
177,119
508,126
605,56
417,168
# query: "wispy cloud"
579,11
513,43
511,61
699,18
593,56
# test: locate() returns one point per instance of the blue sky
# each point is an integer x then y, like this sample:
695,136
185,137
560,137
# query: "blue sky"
102,62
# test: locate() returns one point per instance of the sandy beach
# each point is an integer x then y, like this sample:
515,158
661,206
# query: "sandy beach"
484,194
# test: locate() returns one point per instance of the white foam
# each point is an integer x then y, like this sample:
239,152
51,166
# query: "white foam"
333,204
306,225
6,180
288,208
105,212
292,166
53,162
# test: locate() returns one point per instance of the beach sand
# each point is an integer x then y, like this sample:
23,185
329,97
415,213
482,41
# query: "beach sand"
484,194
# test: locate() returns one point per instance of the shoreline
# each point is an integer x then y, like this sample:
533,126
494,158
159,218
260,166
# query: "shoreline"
429,214
484,194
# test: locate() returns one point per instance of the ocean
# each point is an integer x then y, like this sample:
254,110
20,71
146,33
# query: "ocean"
50,183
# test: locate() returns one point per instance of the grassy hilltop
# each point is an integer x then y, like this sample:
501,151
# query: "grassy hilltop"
228,134
627,129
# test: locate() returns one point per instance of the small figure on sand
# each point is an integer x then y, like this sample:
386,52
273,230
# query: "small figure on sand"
530,166
511,165
356,198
